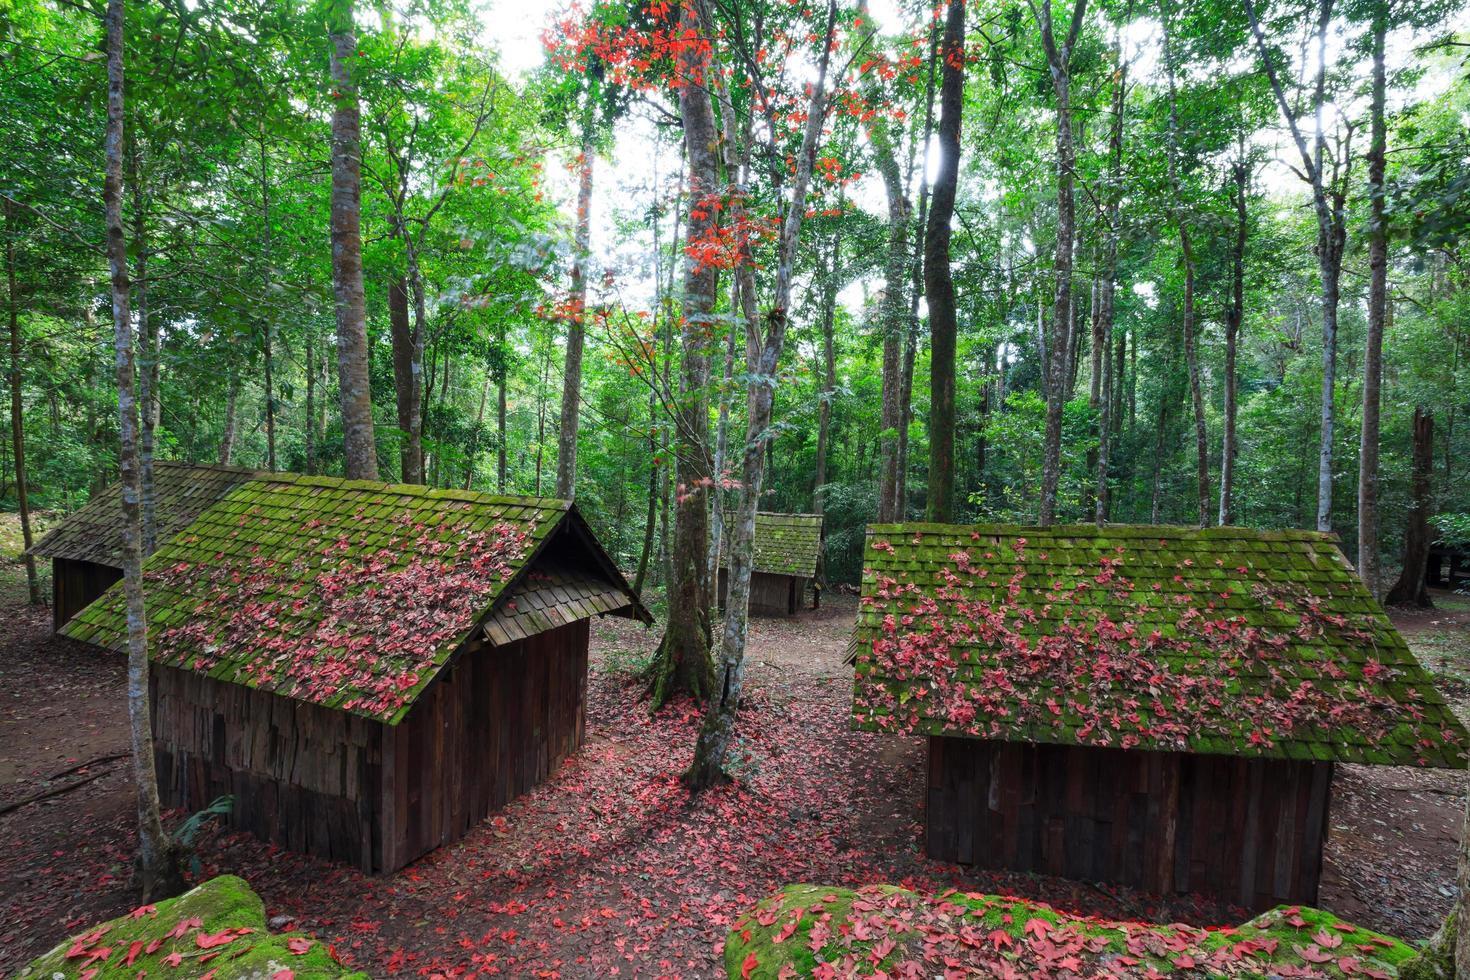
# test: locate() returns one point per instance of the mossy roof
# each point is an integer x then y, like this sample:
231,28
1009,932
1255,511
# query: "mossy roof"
354,594
1223,640
181,491
788,544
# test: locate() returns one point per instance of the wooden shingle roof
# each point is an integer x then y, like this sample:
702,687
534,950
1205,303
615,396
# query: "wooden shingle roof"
788,544
353,594
182,491
1224,641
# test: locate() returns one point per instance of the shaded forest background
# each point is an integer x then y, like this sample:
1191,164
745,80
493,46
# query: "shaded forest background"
1187,187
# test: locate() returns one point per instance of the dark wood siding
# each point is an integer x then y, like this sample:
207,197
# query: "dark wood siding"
347,789
770,595
75,584
1246,831
497,724
303,776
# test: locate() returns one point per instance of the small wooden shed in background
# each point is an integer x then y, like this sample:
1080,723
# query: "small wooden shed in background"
368,669
86,548
1157,707
788,551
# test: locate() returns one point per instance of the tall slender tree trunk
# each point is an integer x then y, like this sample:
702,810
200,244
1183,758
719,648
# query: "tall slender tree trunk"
938,279
682,664
268,336
1186,250
892,320
829,393
571,390
311,398
17,406
232,415
1234,319
400,333
147,374
1058,348
359,449
916,290
158,868
1410,589
501,462
1103,333
1328,204
763,362
1377,315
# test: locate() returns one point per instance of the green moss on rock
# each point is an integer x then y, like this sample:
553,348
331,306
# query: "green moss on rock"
216,930
817,931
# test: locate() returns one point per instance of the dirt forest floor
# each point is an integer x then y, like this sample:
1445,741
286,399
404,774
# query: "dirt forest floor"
610,869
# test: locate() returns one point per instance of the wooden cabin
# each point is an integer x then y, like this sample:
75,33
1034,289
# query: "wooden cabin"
788,551
86,548
368,669
1156,707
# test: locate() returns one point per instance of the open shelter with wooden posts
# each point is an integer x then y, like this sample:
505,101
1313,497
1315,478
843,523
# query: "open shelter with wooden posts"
86,547
368,669
788,556
1157,707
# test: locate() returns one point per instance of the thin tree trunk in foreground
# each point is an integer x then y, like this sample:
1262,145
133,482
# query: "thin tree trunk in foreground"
682,663
158,868
763,360
938,279
1058,350
1377,316
17,421
359,449
1411,590
571,390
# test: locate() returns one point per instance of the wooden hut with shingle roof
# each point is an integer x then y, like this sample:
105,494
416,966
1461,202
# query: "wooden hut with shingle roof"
1158,707
86,548
369,669
788,550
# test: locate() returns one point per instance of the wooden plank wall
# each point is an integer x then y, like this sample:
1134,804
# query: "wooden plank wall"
1247,831
75,584
770,595
304,777
498,724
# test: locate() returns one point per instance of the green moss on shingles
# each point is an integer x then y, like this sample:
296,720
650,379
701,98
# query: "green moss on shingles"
219,926
997,933
1220,573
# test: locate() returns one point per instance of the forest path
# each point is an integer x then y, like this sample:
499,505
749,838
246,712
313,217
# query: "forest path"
610,866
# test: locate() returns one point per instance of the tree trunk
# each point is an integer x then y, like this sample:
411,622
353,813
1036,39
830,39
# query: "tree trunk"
682,663
1186,249
1058,347
824,405
17,404
1331,232
159,873
501,463
359,449
268,326
895,271
1377,315
916,290
571,390
1234,318
227,437
1410,589
1103,331
938,280
651,518
400,333
310,436
763,361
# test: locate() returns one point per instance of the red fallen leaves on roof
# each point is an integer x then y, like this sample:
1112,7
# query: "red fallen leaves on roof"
1089,677
370,625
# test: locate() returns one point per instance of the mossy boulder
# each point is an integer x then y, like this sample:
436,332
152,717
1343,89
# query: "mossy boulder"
217,930
817,931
